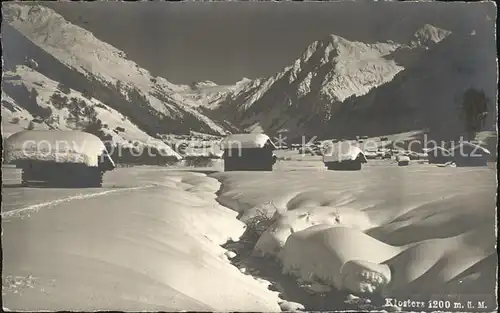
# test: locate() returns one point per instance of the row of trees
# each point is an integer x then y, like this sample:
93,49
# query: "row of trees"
81,113
84,117
137,155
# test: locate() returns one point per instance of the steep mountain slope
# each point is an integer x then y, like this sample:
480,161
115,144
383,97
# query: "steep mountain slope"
67,53
37,103
428,93
309,92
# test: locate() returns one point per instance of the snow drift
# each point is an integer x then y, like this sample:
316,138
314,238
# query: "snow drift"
323,252
383,231
151,244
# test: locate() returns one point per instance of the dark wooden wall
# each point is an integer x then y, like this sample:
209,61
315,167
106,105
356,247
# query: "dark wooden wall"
256,159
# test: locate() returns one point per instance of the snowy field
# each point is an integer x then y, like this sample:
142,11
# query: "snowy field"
430,226
151,238
148,240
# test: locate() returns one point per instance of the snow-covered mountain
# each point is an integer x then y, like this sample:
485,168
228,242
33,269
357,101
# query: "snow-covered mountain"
429,92
428,35
328,72
203,84
341,87
57,51
208,95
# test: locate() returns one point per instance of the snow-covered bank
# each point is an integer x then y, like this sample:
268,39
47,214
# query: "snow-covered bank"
156,247
384,230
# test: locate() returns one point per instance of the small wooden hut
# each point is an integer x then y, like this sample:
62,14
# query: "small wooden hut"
344,156
248,152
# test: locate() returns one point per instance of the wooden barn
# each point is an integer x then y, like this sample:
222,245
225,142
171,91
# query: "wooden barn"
248,152
470,154
439,155
344,156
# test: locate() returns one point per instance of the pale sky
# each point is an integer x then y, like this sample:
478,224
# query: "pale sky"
224,42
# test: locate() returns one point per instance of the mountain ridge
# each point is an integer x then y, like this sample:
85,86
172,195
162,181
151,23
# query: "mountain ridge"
334,80
88,63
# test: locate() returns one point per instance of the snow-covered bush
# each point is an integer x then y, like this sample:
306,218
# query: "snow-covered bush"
260,222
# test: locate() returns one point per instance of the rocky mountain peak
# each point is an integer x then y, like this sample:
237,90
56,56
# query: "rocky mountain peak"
429,34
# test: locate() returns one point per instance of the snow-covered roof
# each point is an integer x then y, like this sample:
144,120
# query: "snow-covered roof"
472,146
342,151
246,141
54,146
402,158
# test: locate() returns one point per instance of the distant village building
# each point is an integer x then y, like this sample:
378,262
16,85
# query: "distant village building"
403,160
248,152
470,154
369,154
344,156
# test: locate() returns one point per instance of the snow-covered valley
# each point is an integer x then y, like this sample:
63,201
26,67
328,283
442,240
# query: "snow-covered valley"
151,238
